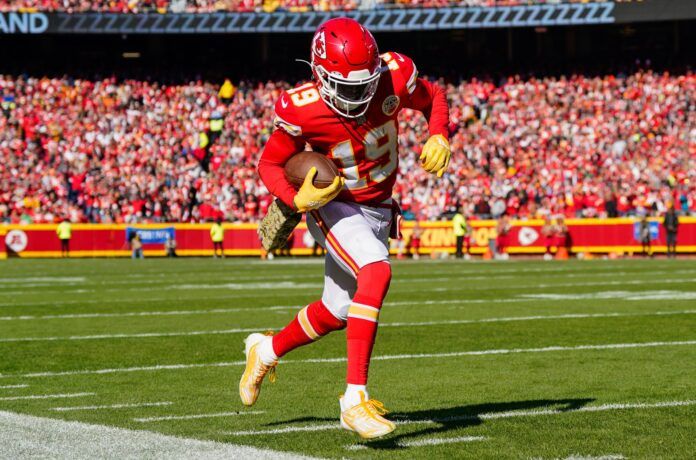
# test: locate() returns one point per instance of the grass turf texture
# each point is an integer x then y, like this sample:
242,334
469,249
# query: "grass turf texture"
654,301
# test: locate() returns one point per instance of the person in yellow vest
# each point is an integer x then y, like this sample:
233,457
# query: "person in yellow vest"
215,125
227,90
462,232
217,234
64,233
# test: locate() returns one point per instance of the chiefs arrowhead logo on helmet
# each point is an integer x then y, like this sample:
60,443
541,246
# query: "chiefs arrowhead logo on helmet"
320,45
346,66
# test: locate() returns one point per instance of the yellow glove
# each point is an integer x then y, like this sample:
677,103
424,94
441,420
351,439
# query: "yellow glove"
309,197
436,155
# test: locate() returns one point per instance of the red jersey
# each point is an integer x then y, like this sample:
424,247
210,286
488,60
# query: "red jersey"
364,149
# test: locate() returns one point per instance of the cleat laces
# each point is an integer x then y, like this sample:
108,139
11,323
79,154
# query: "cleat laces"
373,407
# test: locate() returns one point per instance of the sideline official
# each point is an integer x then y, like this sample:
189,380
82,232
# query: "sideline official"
64,233
671,223
462,231
217,235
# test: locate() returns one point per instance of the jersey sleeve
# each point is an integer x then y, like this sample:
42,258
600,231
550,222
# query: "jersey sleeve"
420,94
285,141
286,117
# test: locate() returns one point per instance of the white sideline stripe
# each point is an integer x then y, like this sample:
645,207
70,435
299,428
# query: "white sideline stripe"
26,436
112,406
504,351
425,442
404,324
4,387
53,396
197,416
482,416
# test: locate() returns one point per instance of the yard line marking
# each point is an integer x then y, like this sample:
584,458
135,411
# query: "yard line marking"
504,351
623,295
239,286
112,406
228,297
261,294
26,436
160,367
529,298
240,309
44,279
553,285
53,396
401,324
424,442
594,457
148,313
286,429
128,336
481,416
4,387
439,441
539,317
197,416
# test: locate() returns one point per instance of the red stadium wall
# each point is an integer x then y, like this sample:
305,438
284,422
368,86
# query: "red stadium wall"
95,240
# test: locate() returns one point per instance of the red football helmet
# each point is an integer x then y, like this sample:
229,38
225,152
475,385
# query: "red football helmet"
346,65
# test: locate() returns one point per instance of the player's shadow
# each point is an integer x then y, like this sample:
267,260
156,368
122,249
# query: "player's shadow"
453,418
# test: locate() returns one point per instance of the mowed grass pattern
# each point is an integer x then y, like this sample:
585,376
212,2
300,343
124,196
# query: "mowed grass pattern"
64,322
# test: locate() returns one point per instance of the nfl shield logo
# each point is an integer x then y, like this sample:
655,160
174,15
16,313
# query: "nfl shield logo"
390,105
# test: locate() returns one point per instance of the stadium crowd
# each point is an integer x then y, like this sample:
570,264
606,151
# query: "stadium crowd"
134,151
209,6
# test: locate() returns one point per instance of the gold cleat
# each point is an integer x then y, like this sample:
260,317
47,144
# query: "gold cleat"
366,418
255,371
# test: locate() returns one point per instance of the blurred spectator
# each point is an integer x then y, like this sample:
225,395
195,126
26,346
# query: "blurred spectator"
136,246
130,151
502,241
170,247
548,233
211,6
644,233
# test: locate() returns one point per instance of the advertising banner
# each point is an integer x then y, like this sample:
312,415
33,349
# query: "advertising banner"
378,20
152,235
599,236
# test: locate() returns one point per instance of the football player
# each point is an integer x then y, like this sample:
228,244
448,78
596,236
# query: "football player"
349,112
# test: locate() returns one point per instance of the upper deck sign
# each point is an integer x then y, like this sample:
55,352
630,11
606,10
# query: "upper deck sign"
23,23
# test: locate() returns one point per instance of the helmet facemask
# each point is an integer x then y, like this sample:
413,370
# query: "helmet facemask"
351,96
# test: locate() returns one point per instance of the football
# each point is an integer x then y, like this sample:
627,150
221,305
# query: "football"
297,166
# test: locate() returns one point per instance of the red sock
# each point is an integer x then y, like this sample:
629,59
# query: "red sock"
310,324
363,315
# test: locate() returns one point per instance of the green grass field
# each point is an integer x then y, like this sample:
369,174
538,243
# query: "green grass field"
475,360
